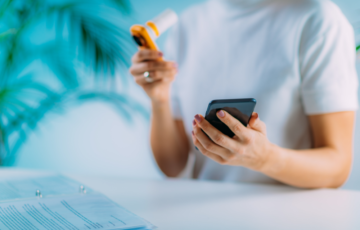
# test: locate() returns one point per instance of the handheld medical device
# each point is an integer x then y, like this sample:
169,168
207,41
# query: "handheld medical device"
145,35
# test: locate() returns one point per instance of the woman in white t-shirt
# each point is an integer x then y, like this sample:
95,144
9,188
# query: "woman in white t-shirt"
296,58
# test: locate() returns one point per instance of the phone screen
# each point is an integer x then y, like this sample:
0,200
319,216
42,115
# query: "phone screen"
241,109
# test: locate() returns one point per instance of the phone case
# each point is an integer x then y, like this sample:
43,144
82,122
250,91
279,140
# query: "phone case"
241,109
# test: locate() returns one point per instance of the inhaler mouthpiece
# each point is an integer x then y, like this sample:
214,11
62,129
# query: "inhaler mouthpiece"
163,22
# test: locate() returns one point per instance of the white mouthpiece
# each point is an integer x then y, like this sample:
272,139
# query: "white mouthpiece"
165,20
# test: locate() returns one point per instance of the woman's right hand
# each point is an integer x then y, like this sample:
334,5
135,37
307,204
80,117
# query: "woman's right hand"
161,72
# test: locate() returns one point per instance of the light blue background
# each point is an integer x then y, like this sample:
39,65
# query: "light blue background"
94,139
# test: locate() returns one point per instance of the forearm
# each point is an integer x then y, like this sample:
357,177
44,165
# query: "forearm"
312,168
170,148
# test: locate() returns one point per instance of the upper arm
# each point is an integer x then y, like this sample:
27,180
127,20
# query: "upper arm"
334,130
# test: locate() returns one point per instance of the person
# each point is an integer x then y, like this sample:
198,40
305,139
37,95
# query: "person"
296,58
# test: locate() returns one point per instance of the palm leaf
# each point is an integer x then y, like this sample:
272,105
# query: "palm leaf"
17,117
102,43
98,42
4,7
61,65
27,120
6,34
23,123
123,5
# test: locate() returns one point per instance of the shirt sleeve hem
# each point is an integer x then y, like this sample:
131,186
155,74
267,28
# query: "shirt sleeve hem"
330,102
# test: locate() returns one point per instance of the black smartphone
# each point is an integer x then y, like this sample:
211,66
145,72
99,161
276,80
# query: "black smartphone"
241,109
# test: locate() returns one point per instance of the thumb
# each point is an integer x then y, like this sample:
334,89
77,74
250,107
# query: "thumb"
256,124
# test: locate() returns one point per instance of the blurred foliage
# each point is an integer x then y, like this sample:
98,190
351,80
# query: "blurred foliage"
356,25
357,32
84,53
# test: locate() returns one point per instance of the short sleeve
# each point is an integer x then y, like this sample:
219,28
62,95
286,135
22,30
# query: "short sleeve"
172,53
327,55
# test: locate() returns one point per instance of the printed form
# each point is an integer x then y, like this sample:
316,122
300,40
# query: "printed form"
88,211
61,208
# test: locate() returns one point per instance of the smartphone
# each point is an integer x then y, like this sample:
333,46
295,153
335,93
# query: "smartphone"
241,109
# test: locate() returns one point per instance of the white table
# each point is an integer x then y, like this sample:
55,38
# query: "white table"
198,205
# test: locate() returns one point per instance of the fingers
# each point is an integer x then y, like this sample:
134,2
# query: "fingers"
235,125
214,134
146,55
166,75
209,145
148,61
140,68
207,153
256,124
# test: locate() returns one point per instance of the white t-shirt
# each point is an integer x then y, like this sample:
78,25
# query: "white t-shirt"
296,58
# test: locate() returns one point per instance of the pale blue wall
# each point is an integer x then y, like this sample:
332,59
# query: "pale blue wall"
93,139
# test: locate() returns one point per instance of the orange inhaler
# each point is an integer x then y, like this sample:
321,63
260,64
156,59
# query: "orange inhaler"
145,35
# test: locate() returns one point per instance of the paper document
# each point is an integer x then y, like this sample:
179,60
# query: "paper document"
26,188
62,207
88,211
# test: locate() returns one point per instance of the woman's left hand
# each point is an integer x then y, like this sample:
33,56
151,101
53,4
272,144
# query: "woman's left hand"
249,147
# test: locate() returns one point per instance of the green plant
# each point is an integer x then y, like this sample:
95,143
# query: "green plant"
356,25
80,36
